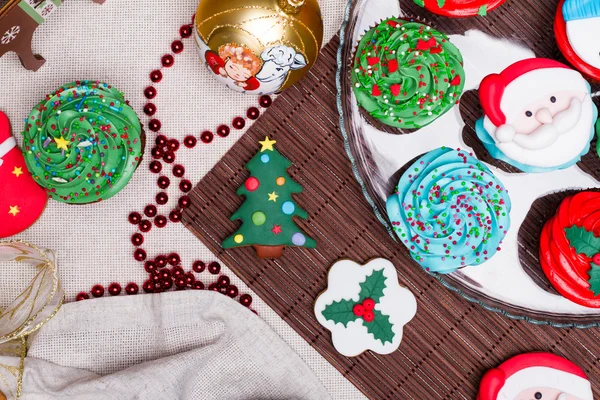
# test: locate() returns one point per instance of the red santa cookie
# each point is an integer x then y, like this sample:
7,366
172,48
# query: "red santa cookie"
576,27
570,249
22,201
538,376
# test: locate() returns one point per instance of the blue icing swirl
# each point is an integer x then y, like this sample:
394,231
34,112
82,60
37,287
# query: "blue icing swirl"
449,210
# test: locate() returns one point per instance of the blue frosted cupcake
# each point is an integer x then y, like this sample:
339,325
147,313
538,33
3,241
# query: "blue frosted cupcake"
450,211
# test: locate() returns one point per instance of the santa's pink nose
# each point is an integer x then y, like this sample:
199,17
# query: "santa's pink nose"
544,116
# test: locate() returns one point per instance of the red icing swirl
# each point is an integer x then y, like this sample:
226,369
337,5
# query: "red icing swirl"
567,270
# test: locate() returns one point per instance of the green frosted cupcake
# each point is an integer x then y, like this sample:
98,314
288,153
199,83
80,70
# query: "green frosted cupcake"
407,74
83,143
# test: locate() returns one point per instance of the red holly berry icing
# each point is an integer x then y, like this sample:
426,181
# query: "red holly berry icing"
368,304
358,310
375,91
569,246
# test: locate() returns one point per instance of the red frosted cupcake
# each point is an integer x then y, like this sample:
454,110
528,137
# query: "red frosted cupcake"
570,249
460,8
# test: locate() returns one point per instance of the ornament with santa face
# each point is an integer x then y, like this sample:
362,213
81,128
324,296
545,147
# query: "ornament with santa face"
577,29
22,201
538,115
540,376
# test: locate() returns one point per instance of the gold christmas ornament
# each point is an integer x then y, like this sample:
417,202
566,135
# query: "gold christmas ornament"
258,46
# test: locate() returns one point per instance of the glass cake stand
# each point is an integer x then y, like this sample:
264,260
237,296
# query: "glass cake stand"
378,153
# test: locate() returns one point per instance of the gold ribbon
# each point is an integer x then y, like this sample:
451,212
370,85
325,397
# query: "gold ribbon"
36,305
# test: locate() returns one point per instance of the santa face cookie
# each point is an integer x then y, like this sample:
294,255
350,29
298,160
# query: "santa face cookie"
539,115
364,307
540,376
577,29
22,201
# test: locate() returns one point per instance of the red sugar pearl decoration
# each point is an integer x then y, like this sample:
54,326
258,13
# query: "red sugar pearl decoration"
246,300
154,125
177,46
214,268
82,296
223,131
135,218
114,289
185,186
162,198
150,266
253,113
157,152
137,239
98,291
190,142
185,31
150,92
265,101
167,60
150,109
173,259
175,216
145,226
156,76
197,285
238,123
184,201
232,291
155,167
169,157
132,288
139,254
161,261
163,182
223,281
150,211
173,144
160,221
178,170
161,140
198,266
148,286
206,137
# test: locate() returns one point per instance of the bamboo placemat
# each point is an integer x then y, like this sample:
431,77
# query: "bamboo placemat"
451,341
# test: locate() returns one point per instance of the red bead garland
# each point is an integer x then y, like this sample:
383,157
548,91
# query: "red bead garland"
82,296
160,277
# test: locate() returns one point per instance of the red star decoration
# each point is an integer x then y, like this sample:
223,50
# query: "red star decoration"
276,229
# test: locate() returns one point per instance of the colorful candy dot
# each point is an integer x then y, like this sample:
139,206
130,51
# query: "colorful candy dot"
252,184
280,181
288,208
265,158
259,218
298,239
238,238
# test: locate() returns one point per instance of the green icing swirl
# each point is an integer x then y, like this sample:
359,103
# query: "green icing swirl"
105,143
428,81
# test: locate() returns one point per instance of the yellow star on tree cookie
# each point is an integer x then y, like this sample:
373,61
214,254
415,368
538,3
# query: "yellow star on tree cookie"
273,197
14,210
267,144
62,143
18,171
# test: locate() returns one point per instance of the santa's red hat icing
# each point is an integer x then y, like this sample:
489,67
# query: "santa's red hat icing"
22,201
504,96
534,370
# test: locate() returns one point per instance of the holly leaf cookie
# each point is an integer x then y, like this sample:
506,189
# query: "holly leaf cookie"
595,279
584,242
364,307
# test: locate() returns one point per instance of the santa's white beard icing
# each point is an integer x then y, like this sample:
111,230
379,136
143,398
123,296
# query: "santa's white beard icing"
583,29
563,135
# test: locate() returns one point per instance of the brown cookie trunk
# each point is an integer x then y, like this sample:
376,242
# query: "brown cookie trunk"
268,251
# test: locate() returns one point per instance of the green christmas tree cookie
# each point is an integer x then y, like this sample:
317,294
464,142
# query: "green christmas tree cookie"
267,214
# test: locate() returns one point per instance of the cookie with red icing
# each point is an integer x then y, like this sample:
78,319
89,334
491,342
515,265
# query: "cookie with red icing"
22,201
570,249
460,8
576,27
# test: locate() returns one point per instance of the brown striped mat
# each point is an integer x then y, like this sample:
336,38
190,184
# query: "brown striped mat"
448,345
